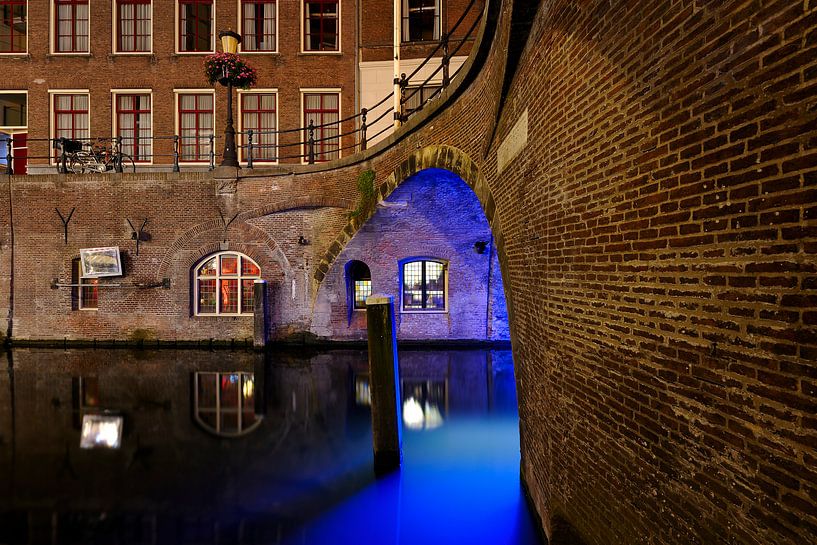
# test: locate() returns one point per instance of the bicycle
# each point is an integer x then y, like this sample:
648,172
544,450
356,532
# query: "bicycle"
80,157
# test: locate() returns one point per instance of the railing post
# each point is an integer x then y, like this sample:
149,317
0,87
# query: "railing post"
403,84
212,152
62,155
446,59
9,156
118,161
311,143
175,153
363,113
249,148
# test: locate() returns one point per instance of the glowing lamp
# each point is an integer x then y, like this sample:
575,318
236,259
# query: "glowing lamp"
229,41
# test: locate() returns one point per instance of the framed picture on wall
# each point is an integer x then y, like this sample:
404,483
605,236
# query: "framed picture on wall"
98,262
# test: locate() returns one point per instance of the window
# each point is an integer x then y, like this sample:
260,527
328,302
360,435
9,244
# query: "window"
224,284
424,285
421,20
85,291
321,25
322,109
133,26
195,126
195,25
258,25
258,115
359,281
71,118
225,403
13,26
133,125
71,26
416,97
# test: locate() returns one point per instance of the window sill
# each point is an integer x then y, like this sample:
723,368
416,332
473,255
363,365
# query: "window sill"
16,54
271,52
312,53
131,54
88,309
224,315
423,311
192,53
86,54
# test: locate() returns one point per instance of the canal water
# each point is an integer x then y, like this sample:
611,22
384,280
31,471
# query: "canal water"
232,447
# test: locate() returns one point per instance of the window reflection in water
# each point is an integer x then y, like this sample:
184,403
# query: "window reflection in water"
424,403
224,403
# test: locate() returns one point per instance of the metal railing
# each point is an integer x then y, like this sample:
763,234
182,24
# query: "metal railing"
314,145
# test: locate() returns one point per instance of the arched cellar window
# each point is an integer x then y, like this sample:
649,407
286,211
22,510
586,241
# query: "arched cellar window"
425,283
224,285
359,283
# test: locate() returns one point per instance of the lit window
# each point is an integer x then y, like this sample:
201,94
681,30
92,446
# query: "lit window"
85,291
133,26
424,285
133,125
323,110
225,403
321,25
224,284
258,25
258,115
359,281
13,26
195,25
421,20
195,126
70,116
71,26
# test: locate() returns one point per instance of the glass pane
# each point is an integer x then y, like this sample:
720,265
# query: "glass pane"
248,268
229,390
207,296
229,296
207,390
209,268
229,422
13,110
229,264
247,296
363,289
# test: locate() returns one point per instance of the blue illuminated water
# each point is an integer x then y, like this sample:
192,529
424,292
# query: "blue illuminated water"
296,468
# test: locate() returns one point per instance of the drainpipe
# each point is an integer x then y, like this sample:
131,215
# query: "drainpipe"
397,23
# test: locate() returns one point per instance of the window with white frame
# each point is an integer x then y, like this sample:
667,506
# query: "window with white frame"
13,26
133,26
195,126
323,111
321,25
71,26
13,109
224,284
134,126
424,285
421,20
258,25
258,114
70,116
195,25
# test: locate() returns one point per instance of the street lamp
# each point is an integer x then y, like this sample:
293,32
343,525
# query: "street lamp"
229,44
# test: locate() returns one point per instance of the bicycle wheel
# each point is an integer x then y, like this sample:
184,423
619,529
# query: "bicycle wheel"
127,163
75,164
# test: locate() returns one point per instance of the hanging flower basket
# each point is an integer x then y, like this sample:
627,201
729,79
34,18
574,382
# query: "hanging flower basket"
229,68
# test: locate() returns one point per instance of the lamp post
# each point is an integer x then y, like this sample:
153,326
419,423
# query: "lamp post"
229,43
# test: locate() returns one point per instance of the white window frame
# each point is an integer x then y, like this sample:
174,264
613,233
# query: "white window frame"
177,122
11,129
115,117
177,36
115,37
28,26
446,272
302,35
241,153
337,91
277,29
52,33
52,129
239,277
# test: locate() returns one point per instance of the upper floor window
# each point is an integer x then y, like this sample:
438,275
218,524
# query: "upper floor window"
258,25
133,26
133,125
416,97
421,20
424,285
13,26
258,115
321,25
195,126
323,110
71,26
224,284
195,25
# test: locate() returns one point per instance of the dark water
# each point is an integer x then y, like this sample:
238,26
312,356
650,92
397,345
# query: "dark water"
235,448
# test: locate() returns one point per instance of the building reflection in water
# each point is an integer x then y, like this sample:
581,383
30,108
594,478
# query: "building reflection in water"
214,447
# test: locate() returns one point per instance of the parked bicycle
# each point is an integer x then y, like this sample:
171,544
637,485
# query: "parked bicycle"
78,157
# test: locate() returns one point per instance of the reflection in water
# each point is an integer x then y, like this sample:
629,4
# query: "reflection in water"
302,476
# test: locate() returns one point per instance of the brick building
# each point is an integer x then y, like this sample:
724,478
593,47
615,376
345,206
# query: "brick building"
133,68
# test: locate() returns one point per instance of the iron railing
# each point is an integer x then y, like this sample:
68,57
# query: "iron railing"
309,149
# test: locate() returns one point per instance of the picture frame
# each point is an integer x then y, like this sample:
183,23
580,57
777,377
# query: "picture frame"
100,262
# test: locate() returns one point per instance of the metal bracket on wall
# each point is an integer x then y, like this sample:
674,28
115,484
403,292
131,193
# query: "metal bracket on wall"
65,221
226,223
164,284
139,236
